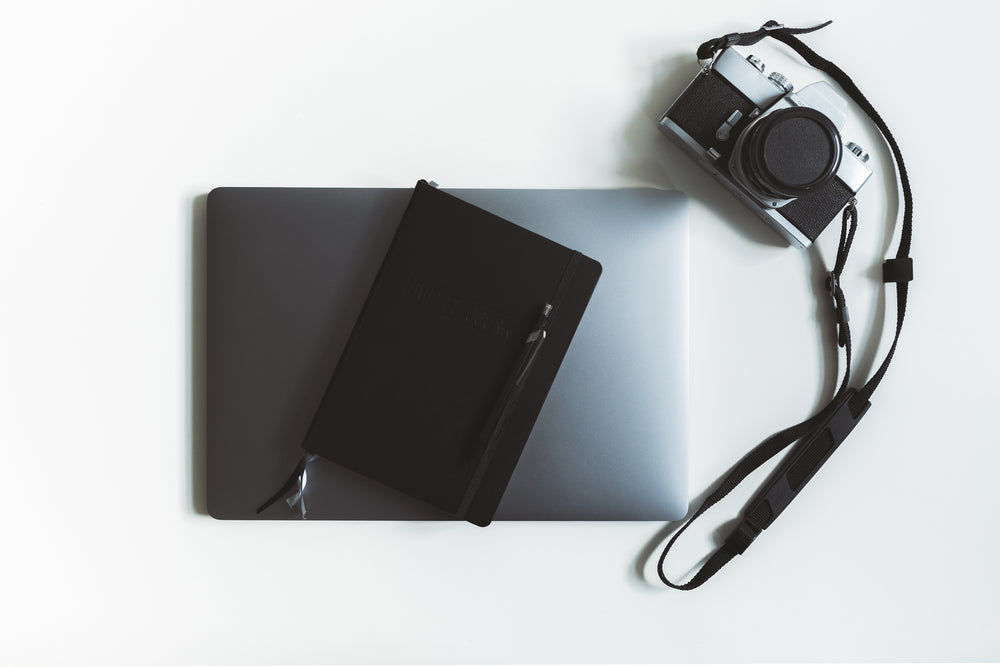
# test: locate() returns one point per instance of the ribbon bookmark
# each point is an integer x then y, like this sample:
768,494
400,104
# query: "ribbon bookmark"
294,489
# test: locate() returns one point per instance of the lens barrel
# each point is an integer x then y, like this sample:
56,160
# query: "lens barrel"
789,153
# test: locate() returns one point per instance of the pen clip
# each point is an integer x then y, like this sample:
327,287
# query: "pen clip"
534,341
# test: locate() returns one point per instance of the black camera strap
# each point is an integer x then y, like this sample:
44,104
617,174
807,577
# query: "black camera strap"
820,435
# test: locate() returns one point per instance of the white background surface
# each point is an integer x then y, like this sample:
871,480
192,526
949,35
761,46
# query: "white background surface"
115,117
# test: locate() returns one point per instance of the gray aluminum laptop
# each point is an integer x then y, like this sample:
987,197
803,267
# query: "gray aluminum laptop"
288,271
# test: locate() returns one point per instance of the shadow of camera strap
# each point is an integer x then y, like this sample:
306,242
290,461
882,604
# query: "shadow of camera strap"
819,436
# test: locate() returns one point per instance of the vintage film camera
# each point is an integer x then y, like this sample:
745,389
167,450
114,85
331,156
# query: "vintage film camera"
776,149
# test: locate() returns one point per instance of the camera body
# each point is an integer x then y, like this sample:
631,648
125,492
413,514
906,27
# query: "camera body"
778,150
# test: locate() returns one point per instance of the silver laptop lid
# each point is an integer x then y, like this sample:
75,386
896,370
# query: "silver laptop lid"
288,271
611,441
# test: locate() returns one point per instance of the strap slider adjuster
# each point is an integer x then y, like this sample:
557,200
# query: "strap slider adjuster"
899,270
731,39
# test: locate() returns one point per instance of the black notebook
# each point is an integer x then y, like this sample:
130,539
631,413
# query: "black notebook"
453,354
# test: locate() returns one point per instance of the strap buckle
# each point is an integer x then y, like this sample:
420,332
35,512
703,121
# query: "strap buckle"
742,536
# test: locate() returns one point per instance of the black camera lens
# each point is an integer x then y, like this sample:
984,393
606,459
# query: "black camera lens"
791,152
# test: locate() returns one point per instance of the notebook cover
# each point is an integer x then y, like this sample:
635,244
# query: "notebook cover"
432,354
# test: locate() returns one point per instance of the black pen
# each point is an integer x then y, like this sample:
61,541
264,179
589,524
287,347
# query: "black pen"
508,397
533,344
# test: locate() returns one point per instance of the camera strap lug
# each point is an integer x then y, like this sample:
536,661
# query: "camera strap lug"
708,63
